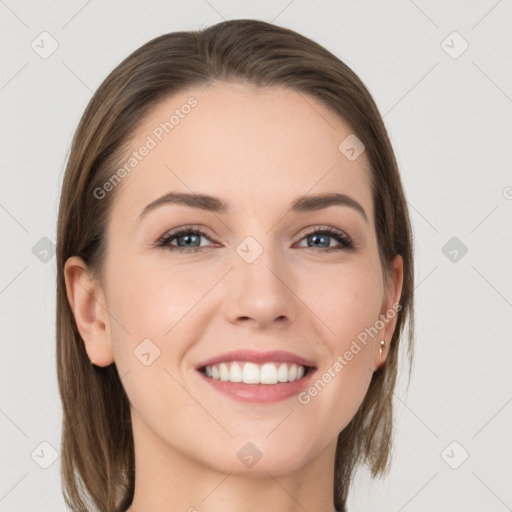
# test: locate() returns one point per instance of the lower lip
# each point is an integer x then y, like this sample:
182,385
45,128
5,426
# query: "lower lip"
260,393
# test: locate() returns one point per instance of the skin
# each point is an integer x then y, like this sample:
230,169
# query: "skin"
257,149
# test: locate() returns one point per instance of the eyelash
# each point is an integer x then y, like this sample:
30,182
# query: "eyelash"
345,241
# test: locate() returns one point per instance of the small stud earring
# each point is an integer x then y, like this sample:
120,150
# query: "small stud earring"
382,345
92,362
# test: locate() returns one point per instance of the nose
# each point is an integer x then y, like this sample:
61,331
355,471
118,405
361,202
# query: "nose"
262,291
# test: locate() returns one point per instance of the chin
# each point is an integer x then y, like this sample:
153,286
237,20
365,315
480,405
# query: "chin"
259,458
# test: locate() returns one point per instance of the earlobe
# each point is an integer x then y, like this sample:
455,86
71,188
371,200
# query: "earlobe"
87,302
389,312
380,353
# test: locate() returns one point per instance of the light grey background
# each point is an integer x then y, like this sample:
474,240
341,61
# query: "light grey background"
449,120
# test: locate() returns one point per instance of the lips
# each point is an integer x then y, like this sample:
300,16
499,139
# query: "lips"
253,356
252,376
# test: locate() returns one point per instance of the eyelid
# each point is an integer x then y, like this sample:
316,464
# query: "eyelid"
322,227
185,228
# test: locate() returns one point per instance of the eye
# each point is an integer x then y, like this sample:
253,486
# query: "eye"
320,238
187,239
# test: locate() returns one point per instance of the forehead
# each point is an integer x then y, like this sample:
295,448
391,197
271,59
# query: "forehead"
256,147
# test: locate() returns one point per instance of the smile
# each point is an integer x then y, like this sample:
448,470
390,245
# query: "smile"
251,373
254,376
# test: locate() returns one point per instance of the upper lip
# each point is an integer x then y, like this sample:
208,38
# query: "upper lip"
255,356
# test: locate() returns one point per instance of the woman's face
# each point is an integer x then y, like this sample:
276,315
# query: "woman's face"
265,278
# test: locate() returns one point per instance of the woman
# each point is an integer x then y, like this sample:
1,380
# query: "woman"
235,268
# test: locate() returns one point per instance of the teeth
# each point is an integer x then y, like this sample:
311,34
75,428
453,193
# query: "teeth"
223,372
251,373
235,373
282,373
269,374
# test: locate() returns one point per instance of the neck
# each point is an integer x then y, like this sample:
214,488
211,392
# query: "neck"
169,480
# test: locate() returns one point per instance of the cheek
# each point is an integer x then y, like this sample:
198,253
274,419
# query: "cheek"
161,303
153,310
346,298
152,300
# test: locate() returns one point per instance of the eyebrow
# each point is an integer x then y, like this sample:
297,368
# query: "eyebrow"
210,203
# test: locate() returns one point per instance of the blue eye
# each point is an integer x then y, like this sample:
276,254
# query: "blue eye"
322,236
189,240
185,238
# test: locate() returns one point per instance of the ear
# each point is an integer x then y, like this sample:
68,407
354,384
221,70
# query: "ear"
88,304
389,311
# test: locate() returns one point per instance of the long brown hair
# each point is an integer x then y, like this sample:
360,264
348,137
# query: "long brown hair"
97,450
